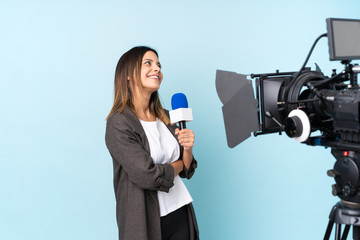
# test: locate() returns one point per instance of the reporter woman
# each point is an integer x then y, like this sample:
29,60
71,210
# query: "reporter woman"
149,155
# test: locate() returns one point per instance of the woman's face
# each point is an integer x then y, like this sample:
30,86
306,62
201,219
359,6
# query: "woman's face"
151,75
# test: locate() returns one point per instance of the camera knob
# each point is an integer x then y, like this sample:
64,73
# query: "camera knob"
336,190
347,190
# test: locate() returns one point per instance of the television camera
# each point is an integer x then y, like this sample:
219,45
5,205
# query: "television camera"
305,102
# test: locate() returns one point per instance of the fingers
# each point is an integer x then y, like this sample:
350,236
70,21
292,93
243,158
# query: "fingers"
186,137
184,133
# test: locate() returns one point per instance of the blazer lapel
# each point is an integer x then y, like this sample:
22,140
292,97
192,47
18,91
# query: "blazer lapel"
137,127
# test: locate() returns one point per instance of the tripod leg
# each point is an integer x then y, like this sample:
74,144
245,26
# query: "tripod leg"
328,230
356,232
346,232
338,231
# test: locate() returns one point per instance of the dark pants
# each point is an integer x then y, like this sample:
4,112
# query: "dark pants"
175,225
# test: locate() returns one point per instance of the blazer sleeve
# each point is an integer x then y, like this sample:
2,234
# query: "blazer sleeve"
127,149
188,173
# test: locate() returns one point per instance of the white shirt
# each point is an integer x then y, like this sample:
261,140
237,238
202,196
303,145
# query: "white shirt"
164,148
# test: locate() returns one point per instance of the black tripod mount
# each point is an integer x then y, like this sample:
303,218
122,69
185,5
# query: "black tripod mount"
344,213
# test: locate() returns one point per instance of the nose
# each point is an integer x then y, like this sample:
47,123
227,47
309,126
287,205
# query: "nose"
156,68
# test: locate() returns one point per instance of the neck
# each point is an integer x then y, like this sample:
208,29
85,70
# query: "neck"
142,108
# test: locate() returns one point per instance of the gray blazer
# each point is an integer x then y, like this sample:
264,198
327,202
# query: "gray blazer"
137,179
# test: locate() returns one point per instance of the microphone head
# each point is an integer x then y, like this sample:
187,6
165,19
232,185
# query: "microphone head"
178,100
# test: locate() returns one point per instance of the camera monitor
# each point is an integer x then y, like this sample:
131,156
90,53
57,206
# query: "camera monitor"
344,38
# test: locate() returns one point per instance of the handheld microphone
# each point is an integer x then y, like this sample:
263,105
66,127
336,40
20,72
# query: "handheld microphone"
180,113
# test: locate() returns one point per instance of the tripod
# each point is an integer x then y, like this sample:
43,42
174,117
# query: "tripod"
344,213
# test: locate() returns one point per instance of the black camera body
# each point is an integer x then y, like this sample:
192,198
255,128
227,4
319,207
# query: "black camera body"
304,103
330,106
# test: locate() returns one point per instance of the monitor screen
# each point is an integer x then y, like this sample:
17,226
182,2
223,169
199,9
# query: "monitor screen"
344,38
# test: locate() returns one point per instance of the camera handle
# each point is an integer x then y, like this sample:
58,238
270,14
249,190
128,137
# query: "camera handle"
350,73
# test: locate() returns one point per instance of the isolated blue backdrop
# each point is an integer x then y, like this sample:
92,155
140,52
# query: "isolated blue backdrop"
57,62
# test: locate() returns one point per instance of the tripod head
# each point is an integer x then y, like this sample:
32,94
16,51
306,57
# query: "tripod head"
346,173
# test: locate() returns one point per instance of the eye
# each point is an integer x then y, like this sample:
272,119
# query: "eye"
147,63
159,65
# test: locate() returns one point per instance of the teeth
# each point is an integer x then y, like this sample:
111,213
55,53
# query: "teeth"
154,77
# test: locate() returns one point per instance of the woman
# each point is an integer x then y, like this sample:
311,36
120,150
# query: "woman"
152,202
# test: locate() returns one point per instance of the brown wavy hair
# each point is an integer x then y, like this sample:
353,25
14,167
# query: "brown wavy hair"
129,68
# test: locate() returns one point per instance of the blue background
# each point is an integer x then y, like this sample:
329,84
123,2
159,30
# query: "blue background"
57,62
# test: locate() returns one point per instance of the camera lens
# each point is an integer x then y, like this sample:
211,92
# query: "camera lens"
293,126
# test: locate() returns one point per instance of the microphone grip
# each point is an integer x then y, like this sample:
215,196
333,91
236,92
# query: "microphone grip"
182,125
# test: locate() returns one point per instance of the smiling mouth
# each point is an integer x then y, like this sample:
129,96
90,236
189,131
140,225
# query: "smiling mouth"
154,77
